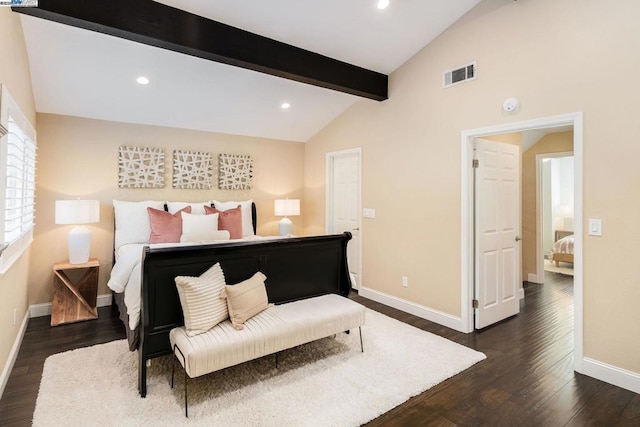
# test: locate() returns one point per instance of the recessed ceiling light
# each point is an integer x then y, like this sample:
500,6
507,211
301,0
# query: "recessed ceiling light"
285,106
383,4
143,80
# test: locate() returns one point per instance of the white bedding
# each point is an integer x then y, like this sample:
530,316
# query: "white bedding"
125,275
564,245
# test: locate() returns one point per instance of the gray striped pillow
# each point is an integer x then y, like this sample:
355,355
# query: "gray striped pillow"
200,299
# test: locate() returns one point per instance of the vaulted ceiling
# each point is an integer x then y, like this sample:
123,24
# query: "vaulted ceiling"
90,74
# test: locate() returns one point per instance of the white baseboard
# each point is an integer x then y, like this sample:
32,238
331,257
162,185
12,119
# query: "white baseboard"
533,278
521,292
104,300
430,314
39,310
611,374
13,354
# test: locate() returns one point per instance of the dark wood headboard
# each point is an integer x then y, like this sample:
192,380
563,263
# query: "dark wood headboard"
296,268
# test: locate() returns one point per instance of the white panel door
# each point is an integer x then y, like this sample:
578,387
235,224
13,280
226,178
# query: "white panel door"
344,204
497,223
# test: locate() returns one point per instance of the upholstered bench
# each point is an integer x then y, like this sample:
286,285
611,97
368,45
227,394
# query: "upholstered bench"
275,329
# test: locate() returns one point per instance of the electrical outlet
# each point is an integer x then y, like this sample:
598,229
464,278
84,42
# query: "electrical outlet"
405,282
15,316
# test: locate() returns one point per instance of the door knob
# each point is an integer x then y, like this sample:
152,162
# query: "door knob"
518,238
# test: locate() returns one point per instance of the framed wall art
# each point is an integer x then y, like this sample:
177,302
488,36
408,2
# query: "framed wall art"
192,169
140,167
235,172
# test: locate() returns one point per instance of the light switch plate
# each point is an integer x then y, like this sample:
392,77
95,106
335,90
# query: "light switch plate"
595,227
369,213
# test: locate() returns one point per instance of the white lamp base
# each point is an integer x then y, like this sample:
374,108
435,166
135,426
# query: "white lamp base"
284,227
79,241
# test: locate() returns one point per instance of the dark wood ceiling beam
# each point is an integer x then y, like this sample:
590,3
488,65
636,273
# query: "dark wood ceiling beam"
156,24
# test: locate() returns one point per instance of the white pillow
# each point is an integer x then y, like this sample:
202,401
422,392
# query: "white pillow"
197,224
132,221
247,221
196,208
205,236
202,307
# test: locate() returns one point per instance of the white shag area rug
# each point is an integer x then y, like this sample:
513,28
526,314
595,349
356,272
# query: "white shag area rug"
325,383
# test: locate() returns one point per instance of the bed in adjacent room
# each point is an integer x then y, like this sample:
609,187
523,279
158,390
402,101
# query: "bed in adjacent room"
562,250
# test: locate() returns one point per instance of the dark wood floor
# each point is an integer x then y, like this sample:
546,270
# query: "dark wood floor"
527,379
41,341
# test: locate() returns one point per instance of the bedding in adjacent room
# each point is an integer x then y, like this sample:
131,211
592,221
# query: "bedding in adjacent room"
564,245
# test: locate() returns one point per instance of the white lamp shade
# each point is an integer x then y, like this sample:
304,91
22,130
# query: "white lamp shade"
287,207
77,211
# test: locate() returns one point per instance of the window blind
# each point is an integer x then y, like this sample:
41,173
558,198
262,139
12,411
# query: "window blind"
20,184
18,168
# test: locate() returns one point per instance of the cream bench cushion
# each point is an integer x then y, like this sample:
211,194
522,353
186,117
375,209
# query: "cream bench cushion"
275,329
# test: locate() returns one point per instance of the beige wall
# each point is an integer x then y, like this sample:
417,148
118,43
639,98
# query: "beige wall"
514,138
411,151
551,143
79,158
14,72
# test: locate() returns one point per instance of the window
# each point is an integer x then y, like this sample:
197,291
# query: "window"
17,168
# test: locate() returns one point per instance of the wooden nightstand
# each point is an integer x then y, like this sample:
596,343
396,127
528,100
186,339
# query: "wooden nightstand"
74,300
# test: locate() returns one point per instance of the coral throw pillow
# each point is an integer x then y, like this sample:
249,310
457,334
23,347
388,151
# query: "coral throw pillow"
165,228
230,220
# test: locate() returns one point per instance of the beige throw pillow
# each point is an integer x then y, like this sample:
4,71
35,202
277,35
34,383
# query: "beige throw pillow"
200,298
246,299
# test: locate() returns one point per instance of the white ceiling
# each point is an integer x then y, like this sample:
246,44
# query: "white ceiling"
82,73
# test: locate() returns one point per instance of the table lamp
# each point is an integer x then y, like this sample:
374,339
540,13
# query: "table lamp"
286,207
79,238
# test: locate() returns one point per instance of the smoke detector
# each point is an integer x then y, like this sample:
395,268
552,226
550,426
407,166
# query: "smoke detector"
511,105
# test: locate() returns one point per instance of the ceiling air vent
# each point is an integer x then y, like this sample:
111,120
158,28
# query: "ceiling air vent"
459,75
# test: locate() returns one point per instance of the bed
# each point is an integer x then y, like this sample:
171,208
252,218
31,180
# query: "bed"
562,250
296,268
125,280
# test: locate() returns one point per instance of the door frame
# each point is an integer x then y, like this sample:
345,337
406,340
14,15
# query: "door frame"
330,157
466,235
539,223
